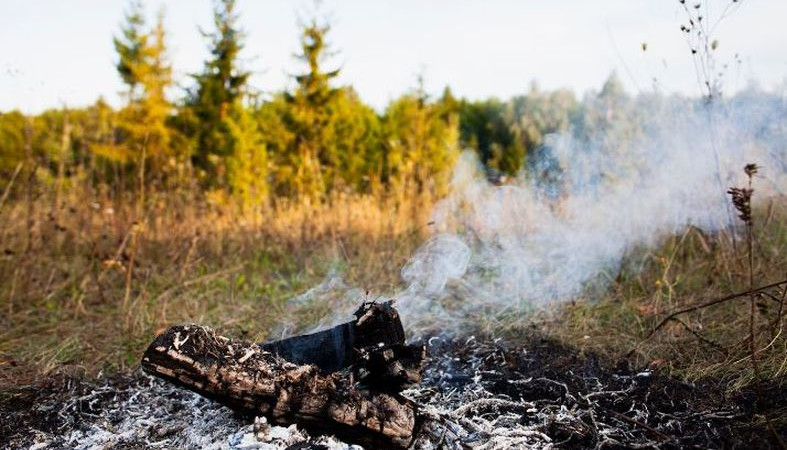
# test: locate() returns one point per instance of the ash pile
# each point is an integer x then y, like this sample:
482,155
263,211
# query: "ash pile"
366,388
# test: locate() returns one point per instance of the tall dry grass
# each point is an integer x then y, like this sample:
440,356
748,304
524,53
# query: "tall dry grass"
87,282
708,343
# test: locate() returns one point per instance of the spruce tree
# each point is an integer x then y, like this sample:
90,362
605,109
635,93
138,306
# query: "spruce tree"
219,92
154,108
310,116
421,138
130,47
247,166
142,64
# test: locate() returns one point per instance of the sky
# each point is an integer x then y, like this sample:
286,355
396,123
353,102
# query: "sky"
57,53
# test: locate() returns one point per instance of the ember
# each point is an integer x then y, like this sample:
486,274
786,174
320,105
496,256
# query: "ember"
480,393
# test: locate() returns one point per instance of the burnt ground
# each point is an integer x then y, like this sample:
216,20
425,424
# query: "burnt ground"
478,393
585,402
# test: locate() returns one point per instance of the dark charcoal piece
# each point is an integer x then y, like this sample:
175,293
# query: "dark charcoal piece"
330,350
391,369
373,345
375,325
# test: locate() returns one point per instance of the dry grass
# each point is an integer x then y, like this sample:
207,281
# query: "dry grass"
88,283
709,343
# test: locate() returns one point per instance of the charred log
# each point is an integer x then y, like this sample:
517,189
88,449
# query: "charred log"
373,345
249,379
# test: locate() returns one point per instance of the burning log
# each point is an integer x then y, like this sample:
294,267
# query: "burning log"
296,380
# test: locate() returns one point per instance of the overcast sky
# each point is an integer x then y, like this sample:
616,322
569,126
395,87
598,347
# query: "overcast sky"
55,52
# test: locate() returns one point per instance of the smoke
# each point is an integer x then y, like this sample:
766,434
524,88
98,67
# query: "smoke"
631,173
645,170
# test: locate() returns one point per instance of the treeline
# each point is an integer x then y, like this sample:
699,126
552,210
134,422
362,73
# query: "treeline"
224,137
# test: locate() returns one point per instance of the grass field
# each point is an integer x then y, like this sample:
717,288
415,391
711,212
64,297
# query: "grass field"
87,283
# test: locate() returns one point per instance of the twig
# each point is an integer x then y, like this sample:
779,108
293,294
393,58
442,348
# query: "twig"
130,267
119,252
781,309
701,306
702,338
770,344
771,296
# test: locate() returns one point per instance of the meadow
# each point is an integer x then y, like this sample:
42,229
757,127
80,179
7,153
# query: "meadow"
88,283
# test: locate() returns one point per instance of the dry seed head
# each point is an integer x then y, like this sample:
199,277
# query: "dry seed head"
750,169
741,199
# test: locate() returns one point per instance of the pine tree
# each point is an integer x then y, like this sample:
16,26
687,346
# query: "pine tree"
153,108
228,147
421,139
354,137
219,93
143,67
486,127
130,47
310,116
247,167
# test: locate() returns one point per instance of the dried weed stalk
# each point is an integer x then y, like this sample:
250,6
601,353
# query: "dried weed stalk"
741,199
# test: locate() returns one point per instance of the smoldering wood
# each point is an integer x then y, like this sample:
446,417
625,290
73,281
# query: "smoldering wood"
251,380
344,381
373,345
332,349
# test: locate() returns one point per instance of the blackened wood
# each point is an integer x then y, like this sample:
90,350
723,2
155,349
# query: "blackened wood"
330,350
376,325
373,345
391,369
248,379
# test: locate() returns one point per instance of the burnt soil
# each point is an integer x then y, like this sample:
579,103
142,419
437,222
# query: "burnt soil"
610,404
564,398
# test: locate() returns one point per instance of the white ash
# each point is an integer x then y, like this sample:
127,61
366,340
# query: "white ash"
463,396
472,396
152,413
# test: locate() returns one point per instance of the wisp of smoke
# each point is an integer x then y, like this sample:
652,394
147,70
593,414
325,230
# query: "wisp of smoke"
635,173
650,169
